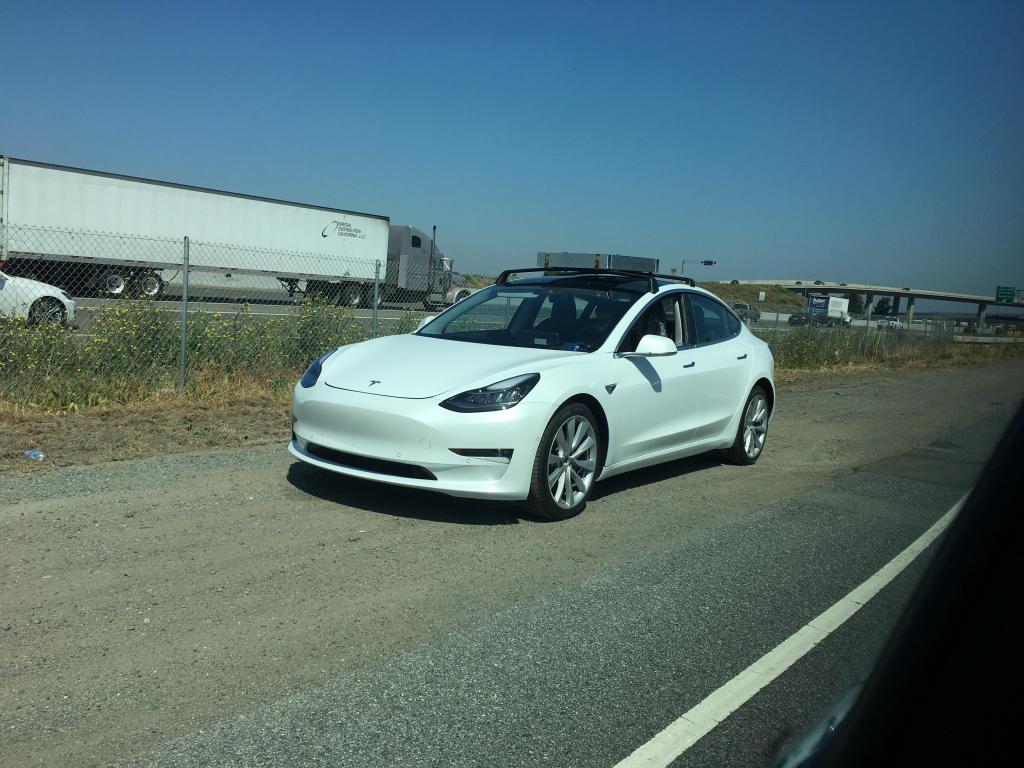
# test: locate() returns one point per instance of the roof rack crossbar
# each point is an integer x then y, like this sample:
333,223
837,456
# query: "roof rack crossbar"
651,277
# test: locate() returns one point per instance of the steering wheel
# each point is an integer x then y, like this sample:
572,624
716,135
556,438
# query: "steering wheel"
591,336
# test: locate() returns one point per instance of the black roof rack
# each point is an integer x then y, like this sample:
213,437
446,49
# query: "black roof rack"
651,277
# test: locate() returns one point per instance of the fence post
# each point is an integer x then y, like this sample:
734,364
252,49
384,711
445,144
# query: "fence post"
376,297
775,329
182,352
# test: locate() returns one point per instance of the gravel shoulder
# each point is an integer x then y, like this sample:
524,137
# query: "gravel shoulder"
150,598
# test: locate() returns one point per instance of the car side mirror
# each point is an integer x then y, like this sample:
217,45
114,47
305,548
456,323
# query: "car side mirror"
425,320
653,345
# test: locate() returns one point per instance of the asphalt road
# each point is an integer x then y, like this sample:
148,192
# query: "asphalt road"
235,608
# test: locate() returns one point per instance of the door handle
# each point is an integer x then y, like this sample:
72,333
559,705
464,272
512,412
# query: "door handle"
742,357
690,365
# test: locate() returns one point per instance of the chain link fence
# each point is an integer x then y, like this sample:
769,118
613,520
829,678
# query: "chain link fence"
801,339
92,317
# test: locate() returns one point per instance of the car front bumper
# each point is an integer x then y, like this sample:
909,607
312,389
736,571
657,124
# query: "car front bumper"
409,442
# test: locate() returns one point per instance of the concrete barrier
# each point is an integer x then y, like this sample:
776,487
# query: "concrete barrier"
989,339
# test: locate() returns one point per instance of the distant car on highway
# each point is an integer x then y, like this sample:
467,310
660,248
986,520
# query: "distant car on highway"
826,321
799,318
819,282
748,313
40,303
892,322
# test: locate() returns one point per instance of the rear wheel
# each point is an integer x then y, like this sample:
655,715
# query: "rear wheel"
366,298
148,285
350,296
752,432
47,311
111,282
566,464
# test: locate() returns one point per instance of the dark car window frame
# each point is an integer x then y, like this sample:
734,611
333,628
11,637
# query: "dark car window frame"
691,320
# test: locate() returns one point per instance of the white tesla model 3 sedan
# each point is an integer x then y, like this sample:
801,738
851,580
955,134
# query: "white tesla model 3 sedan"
536,387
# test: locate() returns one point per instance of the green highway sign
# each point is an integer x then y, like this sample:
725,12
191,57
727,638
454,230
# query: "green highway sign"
1005,294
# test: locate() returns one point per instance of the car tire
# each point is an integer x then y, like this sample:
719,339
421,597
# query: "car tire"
561,482
753,426
47,311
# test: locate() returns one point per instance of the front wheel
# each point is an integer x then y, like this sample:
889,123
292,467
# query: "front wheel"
752,431
566,464
47,311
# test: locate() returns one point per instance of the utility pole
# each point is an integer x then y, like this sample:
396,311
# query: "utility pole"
430,267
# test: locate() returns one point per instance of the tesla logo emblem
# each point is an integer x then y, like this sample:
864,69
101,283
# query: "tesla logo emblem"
374,381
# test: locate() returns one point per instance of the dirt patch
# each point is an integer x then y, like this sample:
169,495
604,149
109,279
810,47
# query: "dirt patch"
157,427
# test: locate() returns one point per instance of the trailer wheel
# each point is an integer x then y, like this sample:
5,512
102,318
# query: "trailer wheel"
350,296
367,296
148,285
111,282
320,290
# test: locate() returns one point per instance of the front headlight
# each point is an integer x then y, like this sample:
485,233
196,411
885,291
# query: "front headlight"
312,374
496,397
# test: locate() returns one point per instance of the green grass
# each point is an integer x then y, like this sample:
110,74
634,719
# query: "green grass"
810,348
131,352
775,296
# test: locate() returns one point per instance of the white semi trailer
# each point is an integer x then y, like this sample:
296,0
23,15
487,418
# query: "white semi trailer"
94,233
598,260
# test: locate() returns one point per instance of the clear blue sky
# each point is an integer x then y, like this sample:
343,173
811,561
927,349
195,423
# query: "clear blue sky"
879,142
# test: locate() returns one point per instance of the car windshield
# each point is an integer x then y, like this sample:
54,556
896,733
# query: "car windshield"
564,314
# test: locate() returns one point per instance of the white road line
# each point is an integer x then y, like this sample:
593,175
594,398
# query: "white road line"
701,719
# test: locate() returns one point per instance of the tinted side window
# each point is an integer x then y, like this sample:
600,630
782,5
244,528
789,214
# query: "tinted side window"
416,241
711,321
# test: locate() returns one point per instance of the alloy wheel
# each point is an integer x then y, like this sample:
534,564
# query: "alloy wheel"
572,460
755,426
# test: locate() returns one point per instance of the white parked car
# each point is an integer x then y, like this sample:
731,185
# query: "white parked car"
532,389
36,301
